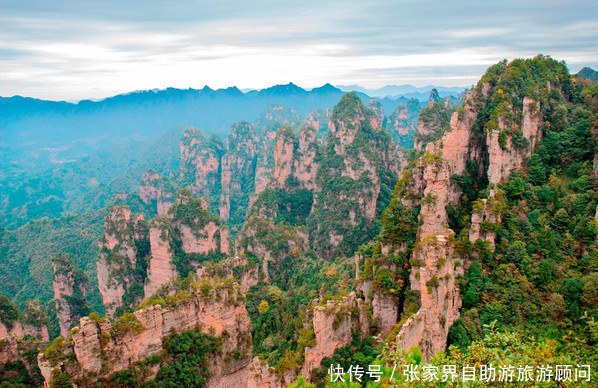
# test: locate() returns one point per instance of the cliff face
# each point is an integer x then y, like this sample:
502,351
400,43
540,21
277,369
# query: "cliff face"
126,240
69,284
102,348
33,324
237,166
333,324
358,160
377,107
156,189
139,257
429,189
434,265
295,159
318,119
160,267
402,123
14,350
200,163
188,232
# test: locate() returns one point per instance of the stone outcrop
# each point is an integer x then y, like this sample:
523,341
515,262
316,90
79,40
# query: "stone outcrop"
232,175
188,225
323,192
434,273
357,156
125,241
333,324
200,162
263,172
156,189
102,348
385,312
69,284
261,375
377,107
161,268
237,164
435,263
402,123
507,157
295,159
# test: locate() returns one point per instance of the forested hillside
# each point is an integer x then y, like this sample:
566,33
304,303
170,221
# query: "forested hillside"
463,232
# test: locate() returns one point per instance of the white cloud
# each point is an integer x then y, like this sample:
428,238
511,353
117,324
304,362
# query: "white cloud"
80,53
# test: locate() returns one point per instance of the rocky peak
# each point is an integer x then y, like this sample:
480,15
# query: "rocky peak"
69,284
284,153
348,117
485,140
402,123
125,245
99,348
188,232
377,107
295,159
200,163
242,139
434,97
156,189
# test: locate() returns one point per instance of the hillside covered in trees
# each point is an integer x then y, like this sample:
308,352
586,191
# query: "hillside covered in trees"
463,232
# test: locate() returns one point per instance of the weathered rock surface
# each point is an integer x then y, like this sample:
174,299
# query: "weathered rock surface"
237,164
402,123
118,256
333,324
188,225
154,188
377,107
434,272
69,285
102,348
160,269
200,162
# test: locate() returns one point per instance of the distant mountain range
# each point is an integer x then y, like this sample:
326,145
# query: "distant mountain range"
36,134
407,91
588,73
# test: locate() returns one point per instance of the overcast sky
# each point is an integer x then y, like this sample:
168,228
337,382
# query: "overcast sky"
74,49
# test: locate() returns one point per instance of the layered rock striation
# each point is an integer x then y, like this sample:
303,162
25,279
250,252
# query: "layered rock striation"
69,283
102,348
121,265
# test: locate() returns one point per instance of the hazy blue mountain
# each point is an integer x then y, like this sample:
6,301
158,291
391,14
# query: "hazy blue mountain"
407,91
36,134
588,73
